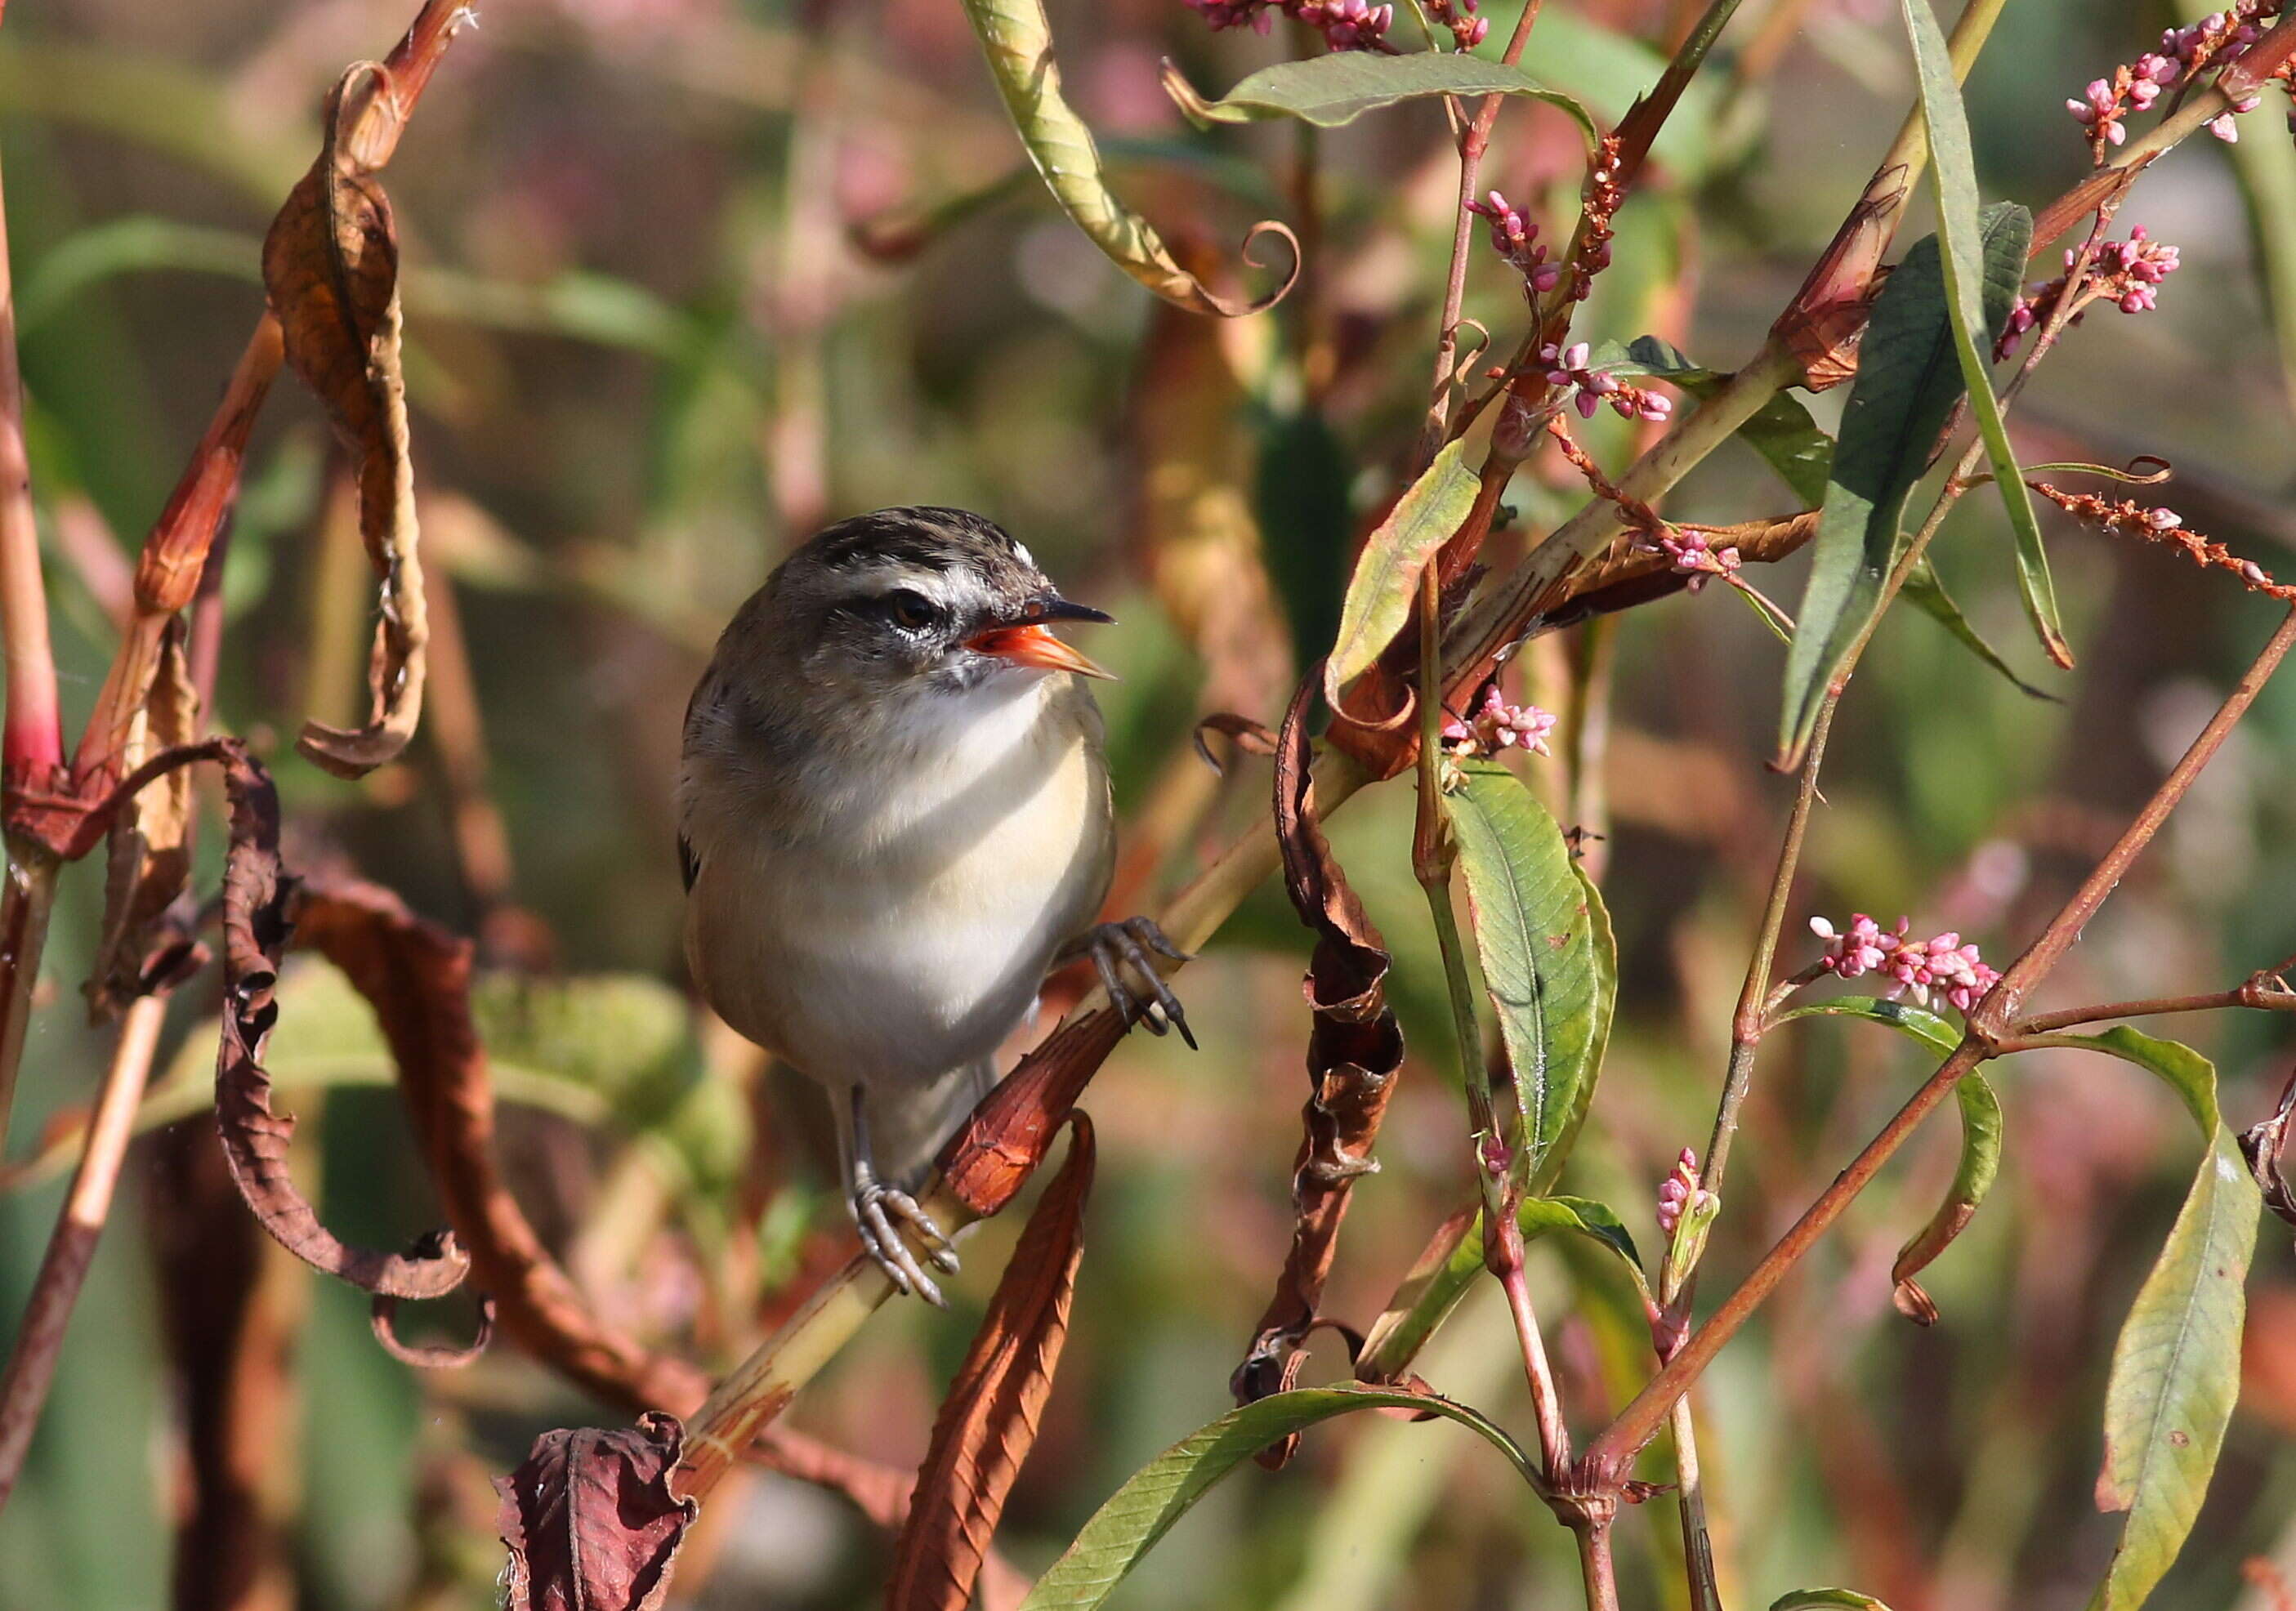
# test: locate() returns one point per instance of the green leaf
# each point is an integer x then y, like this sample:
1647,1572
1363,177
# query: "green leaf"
1782,430
1157,1496
1017,42
1386,580
1909,380
1606,998
1813,1599
2175,1370
1970,268
1535,935
1925,592
1919,1022
1330,90
1443,1278
1980,1161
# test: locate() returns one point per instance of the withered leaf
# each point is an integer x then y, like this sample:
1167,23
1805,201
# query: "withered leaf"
256,890
590,1520
989,1420
2264,1146
986,1162
149,854
331,270
1355,1048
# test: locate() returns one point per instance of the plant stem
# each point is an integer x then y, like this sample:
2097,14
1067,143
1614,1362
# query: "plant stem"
1596,1570
71,1247
1473,143
24,903
1748,1026
33,746
1611,1453
2245,996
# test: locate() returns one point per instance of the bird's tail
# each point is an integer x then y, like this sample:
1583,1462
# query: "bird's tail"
907,1130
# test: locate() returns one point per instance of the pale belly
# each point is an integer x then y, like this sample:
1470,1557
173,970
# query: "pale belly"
921,949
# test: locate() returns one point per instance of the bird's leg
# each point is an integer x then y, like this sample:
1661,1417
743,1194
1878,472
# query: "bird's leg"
877,1205
1110,945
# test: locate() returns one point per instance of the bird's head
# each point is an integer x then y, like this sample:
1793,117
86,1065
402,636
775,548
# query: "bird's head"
925,600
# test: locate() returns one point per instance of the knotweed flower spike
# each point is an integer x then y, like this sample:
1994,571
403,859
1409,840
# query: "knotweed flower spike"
1497,726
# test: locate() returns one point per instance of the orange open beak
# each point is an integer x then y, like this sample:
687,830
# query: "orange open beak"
1033,645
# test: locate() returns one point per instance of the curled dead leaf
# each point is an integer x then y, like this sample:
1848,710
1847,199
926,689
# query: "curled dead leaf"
590,1520
1355,1048
2264,1146
331,270
149,854
989,1422
257,895
383,1318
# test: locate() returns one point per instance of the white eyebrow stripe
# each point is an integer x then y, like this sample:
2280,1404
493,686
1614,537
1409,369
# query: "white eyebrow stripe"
879,580
1020,552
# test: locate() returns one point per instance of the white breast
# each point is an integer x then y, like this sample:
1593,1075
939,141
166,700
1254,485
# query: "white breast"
906,929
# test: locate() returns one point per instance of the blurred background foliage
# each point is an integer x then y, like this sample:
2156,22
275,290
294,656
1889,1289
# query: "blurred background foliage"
645,356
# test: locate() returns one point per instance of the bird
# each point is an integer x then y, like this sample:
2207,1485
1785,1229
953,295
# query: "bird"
894,821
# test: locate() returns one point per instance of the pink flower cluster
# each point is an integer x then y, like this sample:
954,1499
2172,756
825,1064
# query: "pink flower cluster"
1566,367
1498,725
1515,238
1943,966
2126,273
2216,41
1691,551
1467,29
1345,24
1675,1192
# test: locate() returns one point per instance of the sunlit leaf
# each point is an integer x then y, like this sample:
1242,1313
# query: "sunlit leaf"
1534,935
1017,42
1815,1599
1340,87
1157,1496
1970,269
1386,581
1909,380
2175,1370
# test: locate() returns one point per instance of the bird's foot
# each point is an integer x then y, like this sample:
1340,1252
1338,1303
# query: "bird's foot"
880,1211
1110,945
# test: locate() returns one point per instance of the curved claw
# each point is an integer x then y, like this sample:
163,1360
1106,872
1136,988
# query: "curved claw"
1130,941
876,1207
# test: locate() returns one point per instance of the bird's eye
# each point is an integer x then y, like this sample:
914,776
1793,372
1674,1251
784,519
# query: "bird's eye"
911,612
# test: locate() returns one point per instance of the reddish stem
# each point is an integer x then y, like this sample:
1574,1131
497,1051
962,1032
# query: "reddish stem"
33,746
1612,1454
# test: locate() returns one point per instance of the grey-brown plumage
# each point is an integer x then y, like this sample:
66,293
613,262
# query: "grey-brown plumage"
894,816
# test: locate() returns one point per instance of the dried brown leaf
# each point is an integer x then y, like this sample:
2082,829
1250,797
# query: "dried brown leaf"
1355,1048
2264,1146
989,1420
256,891
416,975
331,270
1823,325
150,851
590,1520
